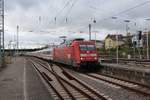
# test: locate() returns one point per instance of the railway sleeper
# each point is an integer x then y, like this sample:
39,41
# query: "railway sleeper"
88,92
79,96
117,81
136,89
74,92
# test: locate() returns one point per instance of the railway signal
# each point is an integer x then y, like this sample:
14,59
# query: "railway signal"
127,27
139,35
94,21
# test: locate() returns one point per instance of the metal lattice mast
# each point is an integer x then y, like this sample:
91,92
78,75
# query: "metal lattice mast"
2,31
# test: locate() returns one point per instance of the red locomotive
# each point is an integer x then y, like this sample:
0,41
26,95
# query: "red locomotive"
76,53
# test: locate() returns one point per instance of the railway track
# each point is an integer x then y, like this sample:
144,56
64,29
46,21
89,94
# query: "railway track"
135,63
65,86
129,85
65,76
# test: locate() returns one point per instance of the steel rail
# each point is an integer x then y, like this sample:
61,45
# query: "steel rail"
93,91
47,81
136,83
123,86
75,87
57,78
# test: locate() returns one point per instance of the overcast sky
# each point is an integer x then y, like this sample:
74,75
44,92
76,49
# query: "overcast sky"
36,18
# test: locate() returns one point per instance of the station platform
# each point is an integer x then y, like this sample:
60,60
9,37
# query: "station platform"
20,81
135,72
134,67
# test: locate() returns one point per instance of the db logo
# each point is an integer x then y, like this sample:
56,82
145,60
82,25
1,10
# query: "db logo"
69,56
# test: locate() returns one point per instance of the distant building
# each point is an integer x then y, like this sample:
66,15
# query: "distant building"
99,44
111,43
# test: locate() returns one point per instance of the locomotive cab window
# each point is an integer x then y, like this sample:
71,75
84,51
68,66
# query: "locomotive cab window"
91,47
83,47
87,47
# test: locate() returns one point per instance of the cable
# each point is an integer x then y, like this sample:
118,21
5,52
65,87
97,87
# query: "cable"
139,5
72,6
127,10
65,17
66,4
122,12
61,10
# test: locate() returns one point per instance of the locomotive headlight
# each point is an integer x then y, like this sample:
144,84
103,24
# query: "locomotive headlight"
95,58
81,58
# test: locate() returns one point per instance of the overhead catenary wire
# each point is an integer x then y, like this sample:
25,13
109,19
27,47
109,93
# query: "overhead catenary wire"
126,10
69,11
122,12
61,10
134,7
98,20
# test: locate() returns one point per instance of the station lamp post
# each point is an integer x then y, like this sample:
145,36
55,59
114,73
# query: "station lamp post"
17,39
127,32
147,40
115,18
89,31
90,26
9,48
127,27
94,21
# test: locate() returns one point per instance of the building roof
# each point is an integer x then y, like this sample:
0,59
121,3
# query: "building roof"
98,41
113,37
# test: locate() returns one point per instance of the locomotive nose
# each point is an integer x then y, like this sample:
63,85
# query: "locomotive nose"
87,51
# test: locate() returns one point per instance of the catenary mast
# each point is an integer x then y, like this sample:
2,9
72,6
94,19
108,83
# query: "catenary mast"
2,49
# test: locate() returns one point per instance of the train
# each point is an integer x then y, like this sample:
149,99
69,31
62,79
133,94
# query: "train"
78,53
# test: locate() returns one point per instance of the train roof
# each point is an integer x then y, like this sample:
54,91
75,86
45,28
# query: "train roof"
43,50
78,39
80,42
71,40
